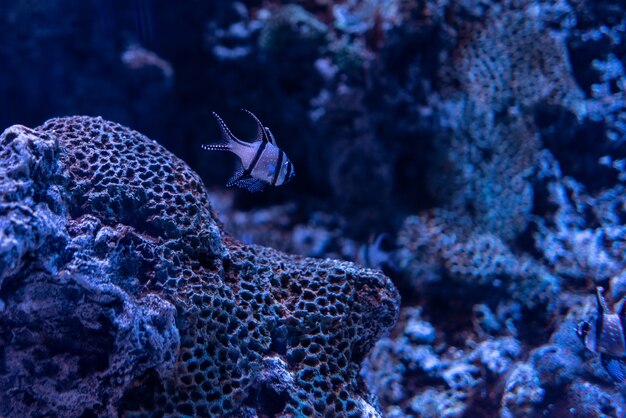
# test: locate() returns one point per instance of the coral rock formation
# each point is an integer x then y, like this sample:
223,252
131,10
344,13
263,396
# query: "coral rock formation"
120,296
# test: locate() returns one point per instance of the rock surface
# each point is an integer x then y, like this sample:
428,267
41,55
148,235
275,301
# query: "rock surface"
121,296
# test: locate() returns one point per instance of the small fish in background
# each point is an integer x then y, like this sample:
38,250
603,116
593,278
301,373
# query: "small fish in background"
372,254
261,161
605,336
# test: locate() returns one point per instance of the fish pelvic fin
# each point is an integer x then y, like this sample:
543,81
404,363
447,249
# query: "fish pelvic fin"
615,367
237,175
251,184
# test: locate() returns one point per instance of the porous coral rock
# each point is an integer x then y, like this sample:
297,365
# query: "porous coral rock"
434,404
511,58
431,249
122,297
485,167
562,378
522,394
434,379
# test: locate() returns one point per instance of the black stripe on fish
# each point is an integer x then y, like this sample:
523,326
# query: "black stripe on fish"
279,164
599,328
255,160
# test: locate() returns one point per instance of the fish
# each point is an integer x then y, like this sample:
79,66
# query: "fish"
605,336
372,254
261,162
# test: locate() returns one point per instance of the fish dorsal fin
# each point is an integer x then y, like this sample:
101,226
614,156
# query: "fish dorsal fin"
602,307
263,133
270,136
227,135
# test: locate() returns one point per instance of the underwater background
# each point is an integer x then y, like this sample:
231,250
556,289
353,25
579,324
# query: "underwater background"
459,196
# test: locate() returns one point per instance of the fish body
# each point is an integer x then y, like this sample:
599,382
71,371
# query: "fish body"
605,336
262,162
372,254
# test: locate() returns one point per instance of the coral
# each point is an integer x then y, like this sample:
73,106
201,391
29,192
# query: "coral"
291,24
510,58
417,330
501,322
557,377
582,236
432,404
485,167
121,295
522,394
589,400
556,366
431,378
486,138
430,252
360,17
504,70
70,338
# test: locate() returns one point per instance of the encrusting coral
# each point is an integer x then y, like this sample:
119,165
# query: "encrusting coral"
120,295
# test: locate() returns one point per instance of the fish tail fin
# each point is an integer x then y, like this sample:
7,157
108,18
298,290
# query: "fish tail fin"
227,136
226,141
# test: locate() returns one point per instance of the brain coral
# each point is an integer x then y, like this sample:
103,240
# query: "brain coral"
119,295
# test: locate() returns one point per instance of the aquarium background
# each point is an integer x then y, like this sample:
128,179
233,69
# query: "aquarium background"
474,151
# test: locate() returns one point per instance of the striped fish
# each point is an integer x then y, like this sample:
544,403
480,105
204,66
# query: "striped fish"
372,254
261,161
605,336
